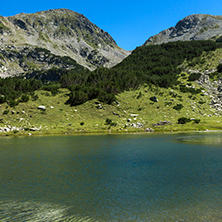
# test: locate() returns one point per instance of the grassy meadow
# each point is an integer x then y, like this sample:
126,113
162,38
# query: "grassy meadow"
91,117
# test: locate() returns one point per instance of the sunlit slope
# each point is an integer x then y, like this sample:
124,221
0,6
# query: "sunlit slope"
194,94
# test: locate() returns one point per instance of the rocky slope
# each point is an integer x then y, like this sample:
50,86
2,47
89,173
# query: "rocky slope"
63,32
193,27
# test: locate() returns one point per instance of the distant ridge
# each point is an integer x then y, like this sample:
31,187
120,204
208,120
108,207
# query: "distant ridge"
192,27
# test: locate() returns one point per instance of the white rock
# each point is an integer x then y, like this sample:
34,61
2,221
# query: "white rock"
134,115
42,107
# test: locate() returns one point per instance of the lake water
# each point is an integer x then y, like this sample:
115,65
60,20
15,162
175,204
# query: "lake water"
175,177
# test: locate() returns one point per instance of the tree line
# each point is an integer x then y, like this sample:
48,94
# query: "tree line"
154,64
15,90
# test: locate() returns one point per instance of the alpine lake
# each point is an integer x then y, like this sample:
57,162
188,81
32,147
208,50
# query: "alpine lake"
131,177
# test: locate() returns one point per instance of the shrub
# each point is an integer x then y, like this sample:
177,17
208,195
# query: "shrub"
196,121
13,103
139,96
219,68
113,124
168,103
194,76
215,75
108,121
2,99
52,87
185,89
24,98
82,123
5,112
47,94
178,107
173,94
35,97
54,92
106,97
183,120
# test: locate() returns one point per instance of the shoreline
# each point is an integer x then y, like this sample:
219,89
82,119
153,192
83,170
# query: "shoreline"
104,132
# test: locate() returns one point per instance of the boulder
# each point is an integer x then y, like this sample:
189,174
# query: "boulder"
6,129
149,130
134,115
219,88
42,107
34,129
161,123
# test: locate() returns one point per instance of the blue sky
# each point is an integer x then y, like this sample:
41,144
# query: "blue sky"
130,23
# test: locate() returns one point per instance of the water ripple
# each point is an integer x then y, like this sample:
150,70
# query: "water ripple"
31,211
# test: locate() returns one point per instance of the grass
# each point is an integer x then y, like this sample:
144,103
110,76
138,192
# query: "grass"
208,60
59,118
44,37
3,27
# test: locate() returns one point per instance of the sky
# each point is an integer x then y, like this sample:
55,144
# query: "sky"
130,23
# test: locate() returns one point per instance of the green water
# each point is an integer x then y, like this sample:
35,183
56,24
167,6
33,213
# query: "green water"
111,178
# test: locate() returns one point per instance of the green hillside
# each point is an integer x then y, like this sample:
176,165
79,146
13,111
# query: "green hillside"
160,88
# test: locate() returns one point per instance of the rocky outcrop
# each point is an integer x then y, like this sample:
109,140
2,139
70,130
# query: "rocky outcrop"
63,33
193,27
24,59
212,89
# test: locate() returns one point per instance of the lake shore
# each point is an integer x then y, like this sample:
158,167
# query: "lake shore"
151,131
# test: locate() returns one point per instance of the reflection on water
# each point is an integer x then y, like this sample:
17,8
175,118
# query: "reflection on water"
41,212
201,138
35,212
110,178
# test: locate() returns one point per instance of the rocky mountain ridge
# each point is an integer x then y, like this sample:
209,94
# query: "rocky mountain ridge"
63,32
192,27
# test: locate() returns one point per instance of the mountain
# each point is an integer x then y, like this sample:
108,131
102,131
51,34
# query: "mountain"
193,27
55,33
175,86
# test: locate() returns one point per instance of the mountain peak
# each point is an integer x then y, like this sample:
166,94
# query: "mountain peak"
64,33
192,27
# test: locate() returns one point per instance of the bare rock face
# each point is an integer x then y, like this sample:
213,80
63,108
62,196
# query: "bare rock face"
193,27
63,32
